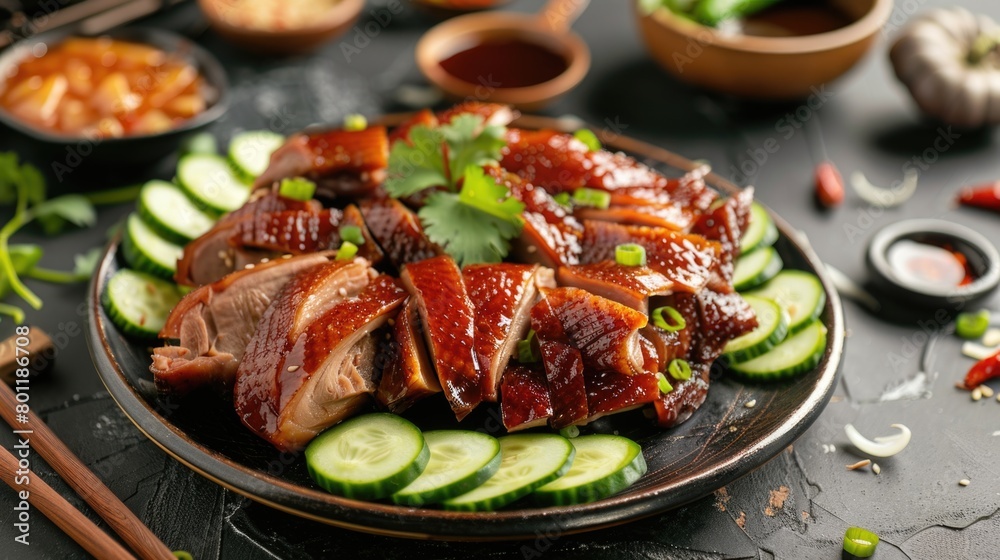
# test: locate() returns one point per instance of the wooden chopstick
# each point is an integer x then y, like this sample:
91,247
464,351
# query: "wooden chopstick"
75,524
84,482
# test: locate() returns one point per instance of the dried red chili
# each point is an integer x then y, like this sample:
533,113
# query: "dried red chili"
829,185
983,371
982,196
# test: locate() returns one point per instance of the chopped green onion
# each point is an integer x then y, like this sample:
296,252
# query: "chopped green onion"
352,234
355,123
679,369
347,251
297,189
563,199
569,432
588,137
675,316
592,198
526,349
630,254
860,542
183,555
664,383
972,325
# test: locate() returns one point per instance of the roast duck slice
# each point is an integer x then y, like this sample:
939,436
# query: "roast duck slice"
408,375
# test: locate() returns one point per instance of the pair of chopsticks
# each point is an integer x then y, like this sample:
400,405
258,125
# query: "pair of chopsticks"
88,17
45,499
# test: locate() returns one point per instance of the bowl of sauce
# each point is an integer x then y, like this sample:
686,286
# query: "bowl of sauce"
780,53
933,263
503,57
128,96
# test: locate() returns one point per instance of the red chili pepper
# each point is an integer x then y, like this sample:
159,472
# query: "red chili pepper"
982,196
829,185
983,371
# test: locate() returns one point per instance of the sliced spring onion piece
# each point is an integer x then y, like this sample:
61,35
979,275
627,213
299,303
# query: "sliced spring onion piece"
679,369
563,199
526,349
860,542
991,337
297,188
352,234
592,198
355,122
677,320
588,137
972,325
885,197
569,432
630,254
977,352
663,383
347,251
884,446
183,555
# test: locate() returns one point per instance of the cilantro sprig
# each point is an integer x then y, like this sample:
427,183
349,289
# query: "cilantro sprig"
469,214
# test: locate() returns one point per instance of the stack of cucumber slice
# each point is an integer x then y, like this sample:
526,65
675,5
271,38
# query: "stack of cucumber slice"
382,455
789,338
170,215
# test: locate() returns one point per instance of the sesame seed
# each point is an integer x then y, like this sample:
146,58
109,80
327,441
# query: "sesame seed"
292,369
732,428
265,260
876,469
860,464
964,482
248,266
977,394
286,256
392,322
342,292
751,403
986,390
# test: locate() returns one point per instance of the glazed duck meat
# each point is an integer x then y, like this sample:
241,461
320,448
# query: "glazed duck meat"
304,340
310,363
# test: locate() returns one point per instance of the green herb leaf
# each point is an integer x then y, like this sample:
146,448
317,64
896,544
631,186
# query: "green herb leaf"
416,165
54,214
483,193
24,258
85,264
471,143
468,234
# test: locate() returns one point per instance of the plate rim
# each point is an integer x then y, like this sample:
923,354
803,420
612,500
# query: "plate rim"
390,520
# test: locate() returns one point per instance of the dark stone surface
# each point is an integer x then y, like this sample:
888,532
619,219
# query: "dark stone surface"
868,123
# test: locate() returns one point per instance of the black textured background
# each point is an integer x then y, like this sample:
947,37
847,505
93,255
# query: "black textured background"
869,124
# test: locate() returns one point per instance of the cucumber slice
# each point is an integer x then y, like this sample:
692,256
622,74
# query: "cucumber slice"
138,303
368,457
603,466
755,268
761,232
460,461
201,143
798,353
772,328
168,211
210,183
527,462
799,292
250,152
148,252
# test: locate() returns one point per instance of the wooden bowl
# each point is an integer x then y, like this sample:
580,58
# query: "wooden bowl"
457,34
767,68
328,25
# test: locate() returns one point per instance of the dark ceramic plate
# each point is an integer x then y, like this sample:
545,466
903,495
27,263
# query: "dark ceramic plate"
720,443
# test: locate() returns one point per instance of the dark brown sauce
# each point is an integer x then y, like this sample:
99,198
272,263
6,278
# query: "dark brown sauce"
929,265
795,19
505,63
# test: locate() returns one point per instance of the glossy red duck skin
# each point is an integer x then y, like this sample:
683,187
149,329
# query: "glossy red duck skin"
609,392
449,325
689,193
671,345
687,397
213,325
423,117
524,398
502,295
628,285
398,231
492,114
409,375
605,332
363,154
722,317
726,225
285,390
563,368
690,262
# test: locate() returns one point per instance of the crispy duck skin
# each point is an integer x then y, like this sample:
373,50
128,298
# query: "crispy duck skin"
311,362
726,225
525,401
398,231
689,261
362,155
213,325
408,376
677,344
449,326
423,117
609,392
628,285
502,295
722,317
687,397
492,113
563,368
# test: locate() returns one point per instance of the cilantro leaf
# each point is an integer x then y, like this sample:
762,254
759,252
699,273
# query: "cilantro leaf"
85,264
416,165
471,143
485,194
55,213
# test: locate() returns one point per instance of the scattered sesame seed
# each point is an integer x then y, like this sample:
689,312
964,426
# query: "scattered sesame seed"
986,390
859,464
248,266
392,322
222,255
292,369
750,403
732,428
977,393
342,292
265,260
286,256
876,469
532,248
964,482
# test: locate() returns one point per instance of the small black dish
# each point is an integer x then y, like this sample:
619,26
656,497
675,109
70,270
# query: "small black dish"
74,152
982,258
